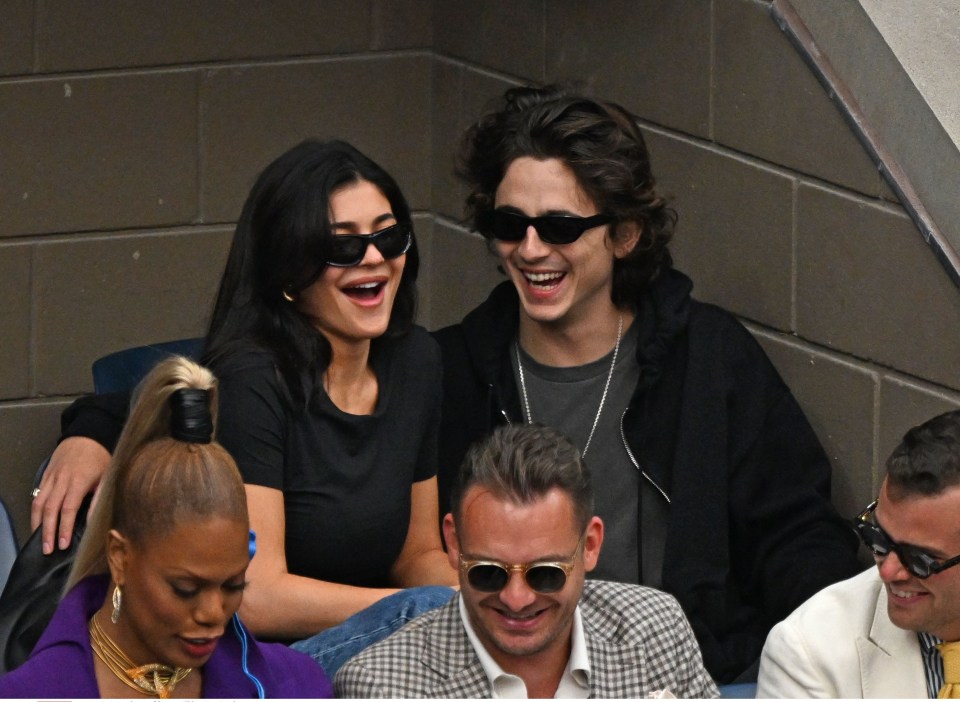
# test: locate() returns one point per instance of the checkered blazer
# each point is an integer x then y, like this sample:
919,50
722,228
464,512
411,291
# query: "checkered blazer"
638,641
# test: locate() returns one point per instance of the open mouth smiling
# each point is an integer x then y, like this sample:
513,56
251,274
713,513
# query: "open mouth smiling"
364,291
544,280
521,619
905,594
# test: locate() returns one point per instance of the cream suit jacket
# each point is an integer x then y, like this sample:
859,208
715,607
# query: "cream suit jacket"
841,643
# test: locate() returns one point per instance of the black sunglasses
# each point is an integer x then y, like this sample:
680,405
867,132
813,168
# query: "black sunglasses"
916,560
541,576
553,229
349,249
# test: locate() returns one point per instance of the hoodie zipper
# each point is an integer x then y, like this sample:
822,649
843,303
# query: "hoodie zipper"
623,437
495,400
633,459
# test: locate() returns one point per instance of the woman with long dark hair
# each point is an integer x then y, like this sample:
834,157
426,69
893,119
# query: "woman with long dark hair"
330,400
331,394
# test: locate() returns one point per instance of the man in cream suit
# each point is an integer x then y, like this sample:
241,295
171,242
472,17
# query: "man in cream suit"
877,634
523,536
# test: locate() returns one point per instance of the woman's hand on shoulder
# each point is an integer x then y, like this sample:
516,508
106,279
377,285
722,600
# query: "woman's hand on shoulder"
75,470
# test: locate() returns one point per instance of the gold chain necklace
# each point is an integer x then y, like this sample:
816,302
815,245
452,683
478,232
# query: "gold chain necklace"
154,679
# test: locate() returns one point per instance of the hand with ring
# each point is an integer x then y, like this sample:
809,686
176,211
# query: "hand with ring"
76,468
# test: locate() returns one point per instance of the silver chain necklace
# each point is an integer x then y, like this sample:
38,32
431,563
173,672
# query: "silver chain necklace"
603,398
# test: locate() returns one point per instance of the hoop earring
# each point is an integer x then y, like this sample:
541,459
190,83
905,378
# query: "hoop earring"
288,297
117,601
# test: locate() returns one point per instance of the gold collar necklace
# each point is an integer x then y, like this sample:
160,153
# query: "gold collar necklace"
154,679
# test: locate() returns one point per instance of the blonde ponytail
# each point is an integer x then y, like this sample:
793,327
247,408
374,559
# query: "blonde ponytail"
165,467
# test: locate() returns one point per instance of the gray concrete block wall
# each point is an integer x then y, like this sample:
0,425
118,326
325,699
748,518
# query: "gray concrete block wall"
653,57
79,35
98,152
134,175
866,284
734,226
252,113
95,294
16,37
504,35
16,266
767,102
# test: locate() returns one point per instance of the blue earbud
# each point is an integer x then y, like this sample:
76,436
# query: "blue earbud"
252,544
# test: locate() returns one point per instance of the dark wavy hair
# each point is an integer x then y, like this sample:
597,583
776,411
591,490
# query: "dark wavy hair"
927,461
279,247
601,143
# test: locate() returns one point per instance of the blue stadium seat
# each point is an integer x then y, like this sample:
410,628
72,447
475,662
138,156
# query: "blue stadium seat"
122,370
738,691
8,544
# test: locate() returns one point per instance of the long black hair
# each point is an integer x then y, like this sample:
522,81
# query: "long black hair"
278,248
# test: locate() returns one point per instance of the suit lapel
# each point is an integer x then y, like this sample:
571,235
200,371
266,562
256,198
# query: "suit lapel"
468,682
448,653
890,660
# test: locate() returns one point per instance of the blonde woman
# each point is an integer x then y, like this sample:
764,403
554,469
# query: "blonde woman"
151,604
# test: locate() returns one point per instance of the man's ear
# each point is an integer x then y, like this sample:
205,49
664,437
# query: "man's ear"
592,543
626,238
453,544
118,551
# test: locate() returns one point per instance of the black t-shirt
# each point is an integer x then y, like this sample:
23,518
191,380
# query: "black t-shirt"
345,478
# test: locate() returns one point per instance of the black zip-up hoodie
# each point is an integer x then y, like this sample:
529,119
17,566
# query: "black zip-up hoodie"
751,532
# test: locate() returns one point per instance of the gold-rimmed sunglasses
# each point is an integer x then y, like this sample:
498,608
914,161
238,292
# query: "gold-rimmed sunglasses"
544,577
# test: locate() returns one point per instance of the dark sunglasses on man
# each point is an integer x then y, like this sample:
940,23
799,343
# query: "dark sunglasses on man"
553,229
920,563
345,250
544,577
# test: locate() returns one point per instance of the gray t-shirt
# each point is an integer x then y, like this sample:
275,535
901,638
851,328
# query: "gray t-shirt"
567,399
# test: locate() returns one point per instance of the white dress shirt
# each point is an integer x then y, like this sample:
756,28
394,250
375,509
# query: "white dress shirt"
574,683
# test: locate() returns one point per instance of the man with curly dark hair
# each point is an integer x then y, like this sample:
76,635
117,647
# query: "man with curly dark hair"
708,476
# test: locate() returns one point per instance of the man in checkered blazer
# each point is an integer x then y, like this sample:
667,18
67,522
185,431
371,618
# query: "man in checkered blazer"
525,624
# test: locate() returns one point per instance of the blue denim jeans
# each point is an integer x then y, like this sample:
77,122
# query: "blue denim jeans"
332,647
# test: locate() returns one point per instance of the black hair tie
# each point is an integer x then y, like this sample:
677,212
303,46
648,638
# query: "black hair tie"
190,418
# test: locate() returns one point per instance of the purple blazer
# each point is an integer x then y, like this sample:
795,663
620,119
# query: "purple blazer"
61,665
